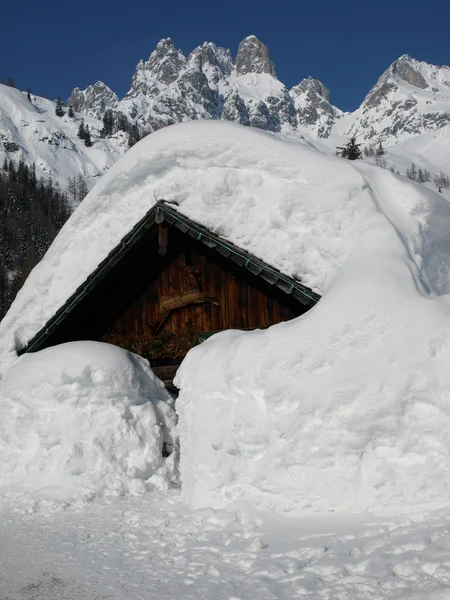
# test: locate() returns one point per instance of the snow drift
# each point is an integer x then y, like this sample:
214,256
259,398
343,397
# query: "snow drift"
346,407
82,420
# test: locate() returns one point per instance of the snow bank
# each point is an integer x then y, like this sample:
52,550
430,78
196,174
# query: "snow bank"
292,207
81,420
347,407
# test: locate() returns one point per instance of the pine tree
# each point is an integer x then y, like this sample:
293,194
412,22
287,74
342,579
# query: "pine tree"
11,82
87,137
351,150
59,109
441,181
108,124
29,94
380,150
81,188
411,173
71,113
81,131
72,189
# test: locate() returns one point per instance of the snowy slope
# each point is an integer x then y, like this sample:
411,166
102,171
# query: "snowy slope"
31,131
429,150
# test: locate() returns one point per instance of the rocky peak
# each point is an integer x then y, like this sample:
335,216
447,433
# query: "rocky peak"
254,57
312,103
216,63
407,68
162,68
166,62
313,89
94,100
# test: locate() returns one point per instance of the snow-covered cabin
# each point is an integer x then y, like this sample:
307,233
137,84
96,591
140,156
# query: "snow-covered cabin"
169,284
201,227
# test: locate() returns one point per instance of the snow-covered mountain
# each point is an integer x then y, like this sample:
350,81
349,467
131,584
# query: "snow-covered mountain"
32,132
94,100
410,100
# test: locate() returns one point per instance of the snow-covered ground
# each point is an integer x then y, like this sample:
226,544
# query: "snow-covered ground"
155,547
315,455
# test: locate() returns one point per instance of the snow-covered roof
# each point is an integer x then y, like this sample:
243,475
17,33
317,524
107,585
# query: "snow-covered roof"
291,207
160,212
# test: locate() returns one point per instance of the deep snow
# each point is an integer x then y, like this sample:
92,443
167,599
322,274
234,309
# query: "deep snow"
84,420
343,410
347,407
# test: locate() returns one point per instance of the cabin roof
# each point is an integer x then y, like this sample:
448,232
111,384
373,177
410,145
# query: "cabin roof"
164,211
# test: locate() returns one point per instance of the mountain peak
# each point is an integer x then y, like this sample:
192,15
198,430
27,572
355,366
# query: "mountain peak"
94,100
164,66
407,68
165,43
312,86
254,57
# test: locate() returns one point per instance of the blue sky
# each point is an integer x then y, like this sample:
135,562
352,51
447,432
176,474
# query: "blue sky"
53,46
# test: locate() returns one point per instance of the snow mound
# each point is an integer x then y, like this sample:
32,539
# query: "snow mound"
83,420
295,208
347,407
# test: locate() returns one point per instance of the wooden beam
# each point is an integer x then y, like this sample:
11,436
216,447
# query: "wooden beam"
162,239
159,215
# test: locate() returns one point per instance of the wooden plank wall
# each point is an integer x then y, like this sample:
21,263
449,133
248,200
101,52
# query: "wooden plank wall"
239,305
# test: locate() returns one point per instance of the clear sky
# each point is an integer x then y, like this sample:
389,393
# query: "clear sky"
52,46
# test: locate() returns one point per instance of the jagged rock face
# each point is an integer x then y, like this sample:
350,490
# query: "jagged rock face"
234,109
94,100
409,99
162,68
253,57
313,109
216,63
169,88
404,68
